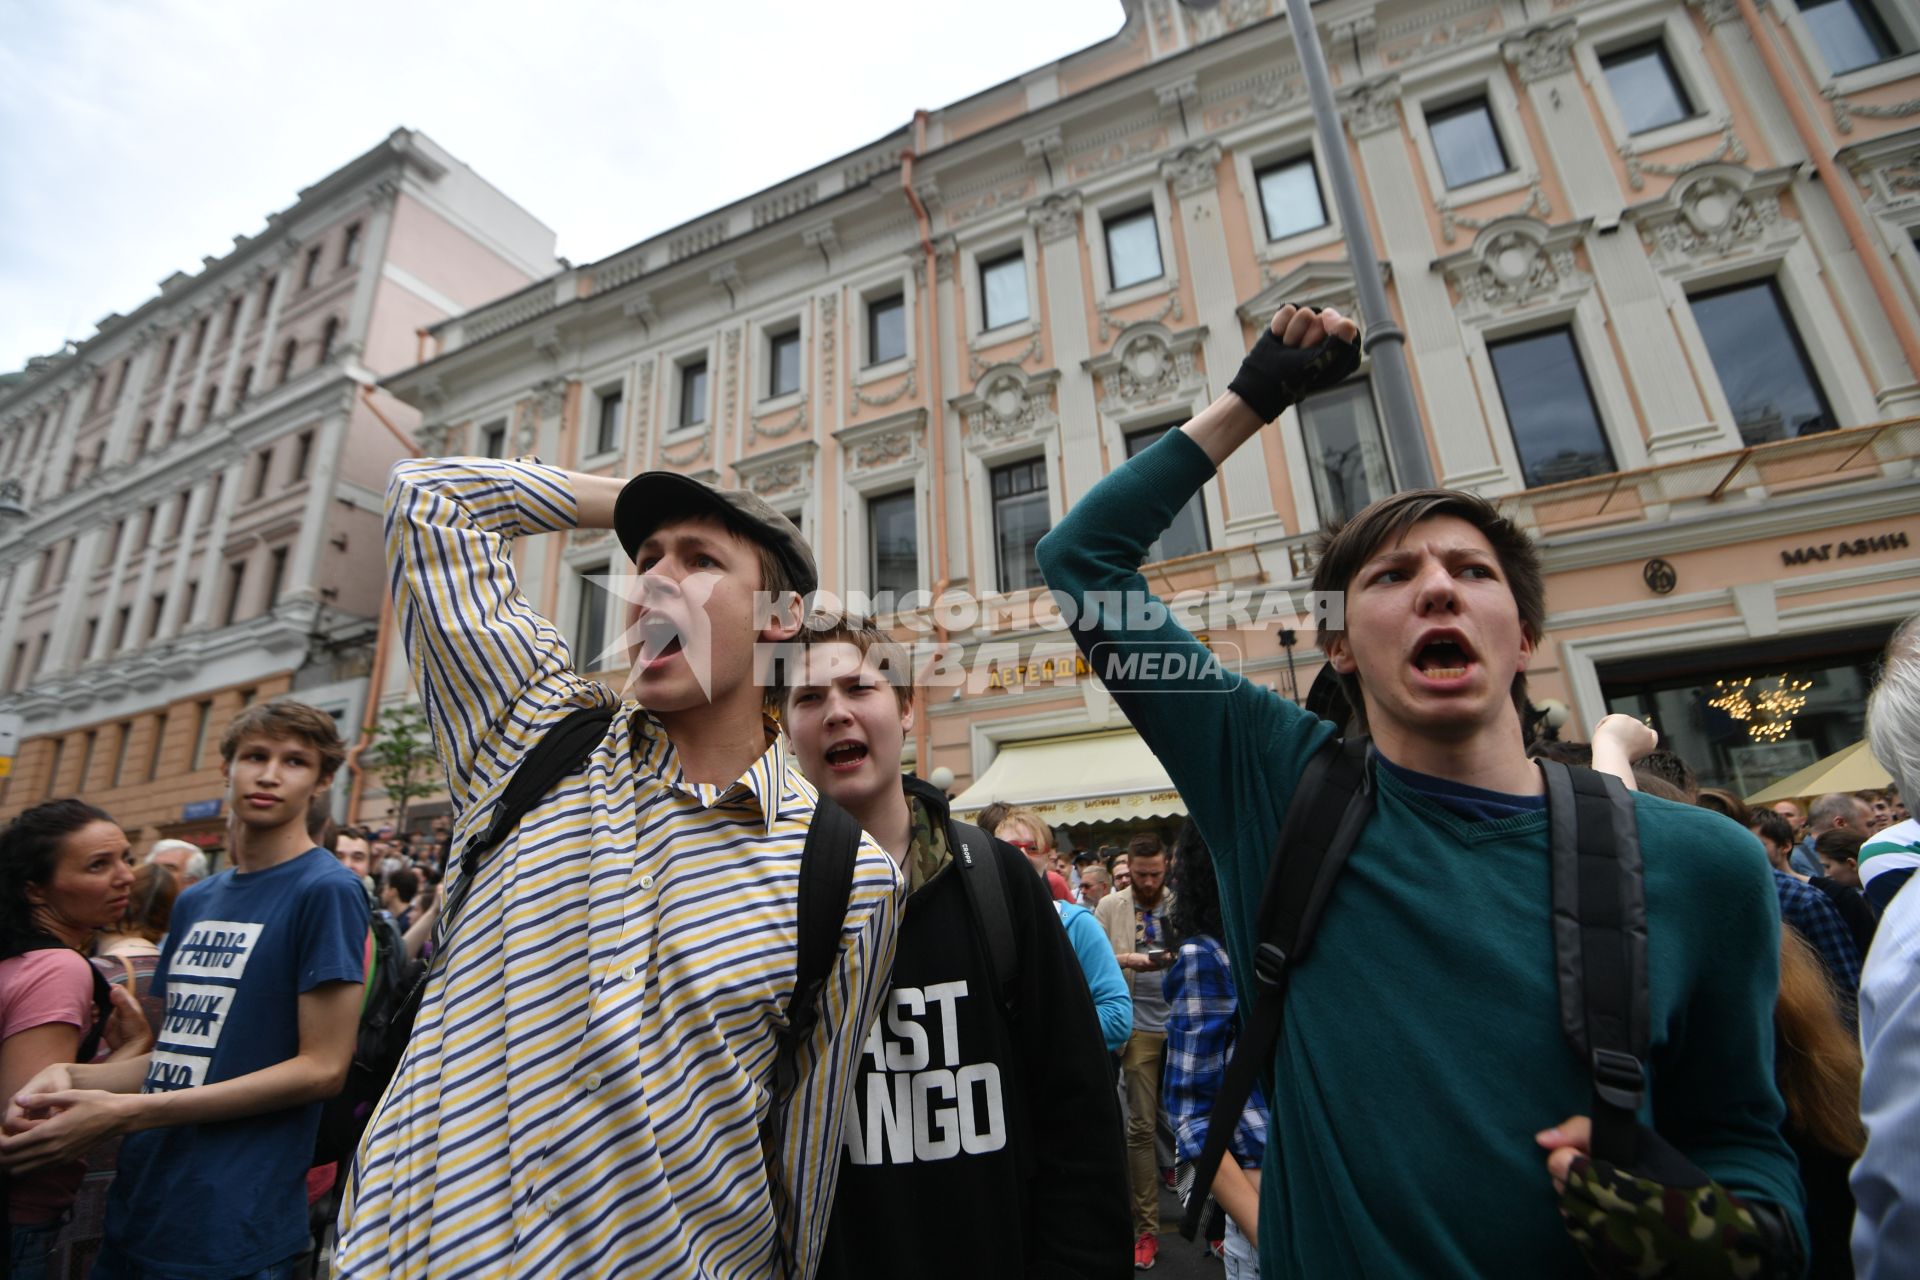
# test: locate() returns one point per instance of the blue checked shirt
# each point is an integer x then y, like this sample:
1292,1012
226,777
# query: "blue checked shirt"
1820,922
1200,1036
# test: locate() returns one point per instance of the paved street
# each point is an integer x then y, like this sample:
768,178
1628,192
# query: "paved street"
1180,1259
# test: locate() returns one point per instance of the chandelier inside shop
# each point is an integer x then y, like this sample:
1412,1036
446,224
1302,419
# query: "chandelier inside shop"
1768,710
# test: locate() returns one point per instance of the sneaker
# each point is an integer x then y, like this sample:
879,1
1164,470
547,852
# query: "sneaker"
1167,1177
1145,1250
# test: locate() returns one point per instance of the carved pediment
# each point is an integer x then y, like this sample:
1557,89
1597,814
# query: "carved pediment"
1008,406
1715,212
898,441
1313,284
778,472
1516,263
1148,364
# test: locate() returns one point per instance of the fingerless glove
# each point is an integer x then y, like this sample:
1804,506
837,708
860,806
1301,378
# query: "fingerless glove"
1275,375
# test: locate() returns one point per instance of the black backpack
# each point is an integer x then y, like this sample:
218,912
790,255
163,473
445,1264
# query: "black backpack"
826,879
1599,939
390,987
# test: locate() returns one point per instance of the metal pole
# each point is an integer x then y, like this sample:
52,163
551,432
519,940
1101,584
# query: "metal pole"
1385,342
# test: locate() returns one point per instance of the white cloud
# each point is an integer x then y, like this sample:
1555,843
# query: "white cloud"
139,136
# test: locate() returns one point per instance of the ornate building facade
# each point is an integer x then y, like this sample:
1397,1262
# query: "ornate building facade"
1656,265
203,482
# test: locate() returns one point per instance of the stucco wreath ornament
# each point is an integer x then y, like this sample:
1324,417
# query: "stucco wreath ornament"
1275,375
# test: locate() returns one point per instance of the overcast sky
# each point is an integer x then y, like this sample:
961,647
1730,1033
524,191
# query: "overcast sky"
137,136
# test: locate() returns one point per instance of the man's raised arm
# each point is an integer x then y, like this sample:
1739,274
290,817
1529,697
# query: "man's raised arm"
475,646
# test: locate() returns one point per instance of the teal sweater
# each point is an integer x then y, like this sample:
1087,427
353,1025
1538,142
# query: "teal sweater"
1422,1047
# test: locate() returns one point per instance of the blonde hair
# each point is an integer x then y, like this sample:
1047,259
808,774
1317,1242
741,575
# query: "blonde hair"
1042,833
1817,1064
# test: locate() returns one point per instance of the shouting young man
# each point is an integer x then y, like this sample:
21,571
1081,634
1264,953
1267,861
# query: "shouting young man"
1424,1099
596,1051
261,974
1012,1119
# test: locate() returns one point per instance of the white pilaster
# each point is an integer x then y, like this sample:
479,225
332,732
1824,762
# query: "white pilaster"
18,575
170,388
213,577
373,255
282,285
143,594
120,435
54,453
63,649
229,376
190,423
1194,174
1056,221
323,468
103,641
199,496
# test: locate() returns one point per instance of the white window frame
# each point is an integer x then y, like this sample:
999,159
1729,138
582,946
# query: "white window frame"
678,364
1483,79
1611,401
860,484
1119,203
975,256
865,294
1684,53
1901,23
572,585
614,383
794,323
1297,141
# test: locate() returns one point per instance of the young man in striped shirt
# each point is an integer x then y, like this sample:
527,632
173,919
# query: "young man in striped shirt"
593,1060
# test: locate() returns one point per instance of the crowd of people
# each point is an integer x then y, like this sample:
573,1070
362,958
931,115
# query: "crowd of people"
728,994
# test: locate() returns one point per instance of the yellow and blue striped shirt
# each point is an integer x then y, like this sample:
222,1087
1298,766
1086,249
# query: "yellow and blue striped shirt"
594,1056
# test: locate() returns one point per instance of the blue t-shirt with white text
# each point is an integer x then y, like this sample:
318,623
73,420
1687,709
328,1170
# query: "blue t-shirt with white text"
240,951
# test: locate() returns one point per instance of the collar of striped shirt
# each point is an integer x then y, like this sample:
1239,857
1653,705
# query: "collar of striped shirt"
764,784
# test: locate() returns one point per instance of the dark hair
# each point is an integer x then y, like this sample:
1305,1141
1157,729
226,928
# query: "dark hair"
1655,785
1580,753
1839,844
1724,802
1145,845
1770,826
351,833
992,816
29,854
1196,892
1670,768
285,719
1344,547
405,883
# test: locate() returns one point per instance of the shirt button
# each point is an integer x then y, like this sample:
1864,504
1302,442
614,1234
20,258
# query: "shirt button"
631,973
592,1081
552,1203
646,882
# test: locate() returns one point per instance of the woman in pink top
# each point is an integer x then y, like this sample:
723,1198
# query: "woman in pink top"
65,872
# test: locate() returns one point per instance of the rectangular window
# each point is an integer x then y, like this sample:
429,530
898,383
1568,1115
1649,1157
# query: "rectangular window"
266,293
261,469
1290,197
159,741
120,622
693,393
606,435
886,328
312,268
153,618
1850,33
1345,453
1003,291
1556,427
93,633
288,354
303,454
1133,248
590,618
327,336
87,745
233,317
1020,520
276,576
53,766
236,580
202,722
350,247
493,440
893,544
120,752
1645,88
193,597
17,671
783,363
179,516
200,335
1188,532
1466,143
245,388
1762,365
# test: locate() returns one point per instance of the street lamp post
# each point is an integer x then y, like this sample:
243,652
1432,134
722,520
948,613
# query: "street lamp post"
1384,340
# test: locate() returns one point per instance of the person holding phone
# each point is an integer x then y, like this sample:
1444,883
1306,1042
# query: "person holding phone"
1135,919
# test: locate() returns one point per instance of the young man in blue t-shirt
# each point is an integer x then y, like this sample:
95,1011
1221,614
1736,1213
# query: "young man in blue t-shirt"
262,976
1425,1104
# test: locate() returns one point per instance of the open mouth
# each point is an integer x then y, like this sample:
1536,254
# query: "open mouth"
1442,660
659,639
843,757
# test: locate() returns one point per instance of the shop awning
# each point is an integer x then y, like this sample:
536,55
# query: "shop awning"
1853,769
1086,777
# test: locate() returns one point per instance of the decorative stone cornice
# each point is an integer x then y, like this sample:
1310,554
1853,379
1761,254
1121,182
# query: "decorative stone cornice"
1371,106
889,444
1193,170
1008,408
640,310
1045,147
1056,217
1147,366
1514,264
1716,212
1542,51
1716,13
1180,93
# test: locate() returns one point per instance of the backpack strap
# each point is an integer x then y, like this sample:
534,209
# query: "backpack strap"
563,748
1600,945
1330,807
987,895
102,1011
826,881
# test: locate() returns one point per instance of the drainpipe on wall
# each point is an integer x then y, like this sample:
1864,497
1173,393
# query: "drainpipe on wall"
936,429
377,678
1838,187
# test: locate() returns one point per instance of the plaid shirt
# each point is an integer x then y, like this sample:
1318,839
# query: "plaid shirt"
1200,1035
1820,922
